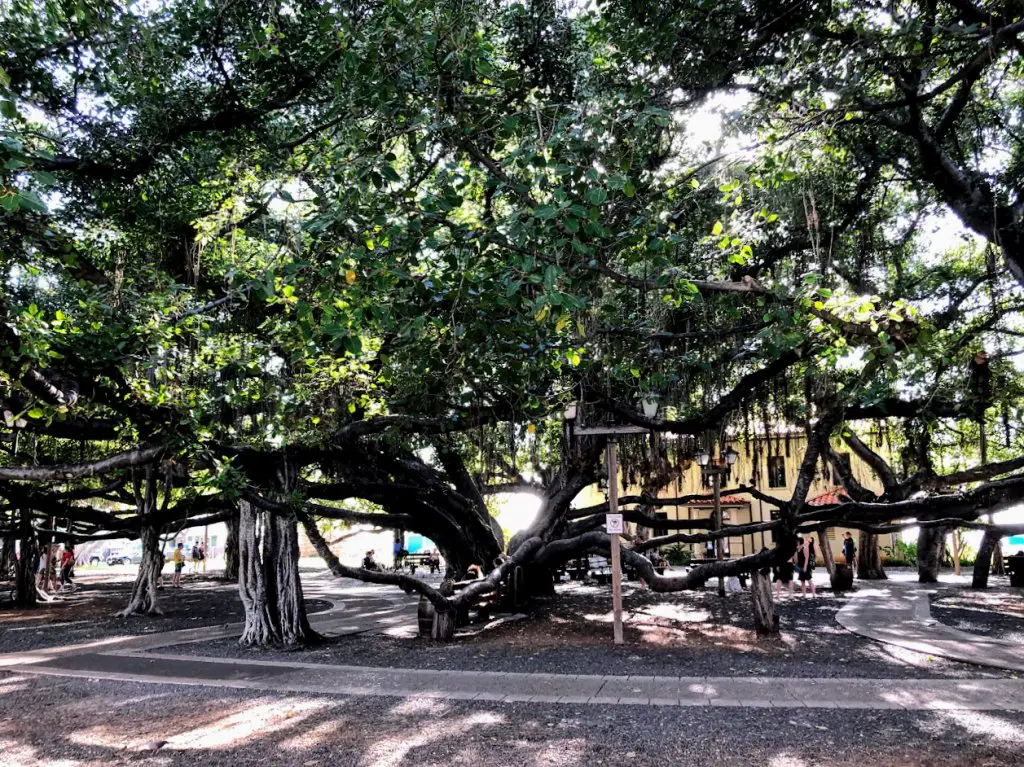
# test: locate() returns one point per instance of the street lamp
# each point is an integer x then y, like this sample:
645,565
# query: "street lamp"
716,468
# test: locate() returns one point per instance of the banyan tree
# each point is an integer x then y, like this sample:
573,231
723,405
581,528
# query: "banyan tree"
290,258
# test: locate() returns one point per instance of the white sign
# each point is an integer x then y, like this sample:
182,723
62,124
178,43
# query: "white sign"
613,524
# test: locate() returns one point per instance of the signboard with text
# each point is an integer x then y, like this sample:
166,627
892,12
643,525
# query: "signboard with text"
613,524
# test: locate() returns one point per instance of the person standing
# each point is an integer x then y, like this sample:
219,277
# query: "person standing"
804,566
784,574
178,558
195,557
67,564
850,551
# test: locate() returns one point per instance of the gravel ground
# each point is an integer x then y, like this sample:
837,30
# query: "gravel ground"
998,614
685,634
76,722
88,614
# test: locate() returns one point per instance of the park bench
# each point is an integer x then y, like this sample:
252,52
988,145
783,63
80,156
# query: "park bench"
576,569
412,561
1014,566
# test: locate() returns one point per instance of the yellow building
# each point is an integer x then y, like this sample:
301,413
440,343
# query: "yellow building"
772,469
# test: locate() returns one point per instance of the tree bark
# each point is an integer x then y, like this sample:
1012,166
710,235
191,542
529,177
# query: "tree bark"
826,553
27,564
268,580
231,549
144,600
929,553
443,629
260,629
983,563
291,609
8,562
766,622
997,556
869,561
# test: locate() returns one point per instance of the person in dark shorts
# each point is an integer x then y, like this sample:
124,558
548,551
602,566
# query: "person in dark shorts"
805,566
178,557
784,574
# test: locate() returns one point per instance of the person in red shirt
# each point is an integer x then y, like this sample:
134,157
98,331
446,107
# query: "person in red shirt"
67,562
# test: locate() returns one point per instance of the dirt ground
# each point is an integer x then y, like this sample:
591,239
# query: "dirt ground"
89,613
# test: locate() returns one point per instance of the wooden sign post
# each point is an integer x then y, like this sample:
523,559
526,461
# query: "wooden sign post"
614,525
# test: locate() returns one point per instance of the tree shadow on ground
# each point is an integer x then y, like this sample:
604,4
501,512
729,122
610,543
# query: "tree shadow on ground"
46,721
689,634
89,613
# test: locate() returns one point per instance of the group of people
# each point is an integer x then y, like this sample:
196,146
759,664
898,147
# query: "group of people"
179,559
52,558
370,560
803,561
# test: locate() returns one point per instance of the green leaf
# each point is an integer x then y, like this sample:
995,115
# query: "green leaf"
629,190
545,212
717,229
35,413
596,195
31,201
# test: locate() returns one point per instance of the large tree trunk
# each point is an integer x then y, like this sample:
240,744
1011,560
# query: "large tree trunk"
144,597
997,556
260,629
869,561
8,561
231,550
268,580
826,553
291,609
929,553
983,562
766,622
28,563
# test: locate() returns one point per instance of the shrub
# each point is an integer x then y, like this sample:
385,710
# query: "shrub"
902,554
678,555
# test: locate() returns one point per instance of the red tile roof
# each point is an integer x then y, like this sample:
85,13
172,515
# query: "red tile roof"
734,500
834,496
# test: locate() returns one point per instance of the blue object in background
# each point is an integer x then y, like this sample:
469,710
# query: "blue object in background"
416,544
1016,540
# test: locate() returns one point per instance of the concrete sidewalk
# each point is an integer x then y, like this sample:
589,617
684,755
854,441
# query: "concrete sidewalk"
899,613
739,692
892,612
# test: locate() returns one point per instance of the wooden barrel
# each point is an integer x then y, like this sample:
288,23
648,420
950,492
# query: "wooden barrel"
425,616
842,580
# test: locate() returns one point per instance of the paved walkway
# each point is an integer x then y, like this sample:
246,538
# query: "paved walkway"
742,692
893,612
899,613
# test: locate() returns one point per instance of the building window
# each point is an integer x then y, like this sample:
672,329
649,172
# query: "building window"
776,471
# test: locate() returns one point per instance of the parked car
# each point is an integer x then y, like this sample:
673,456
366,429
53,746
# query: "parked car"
122,558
